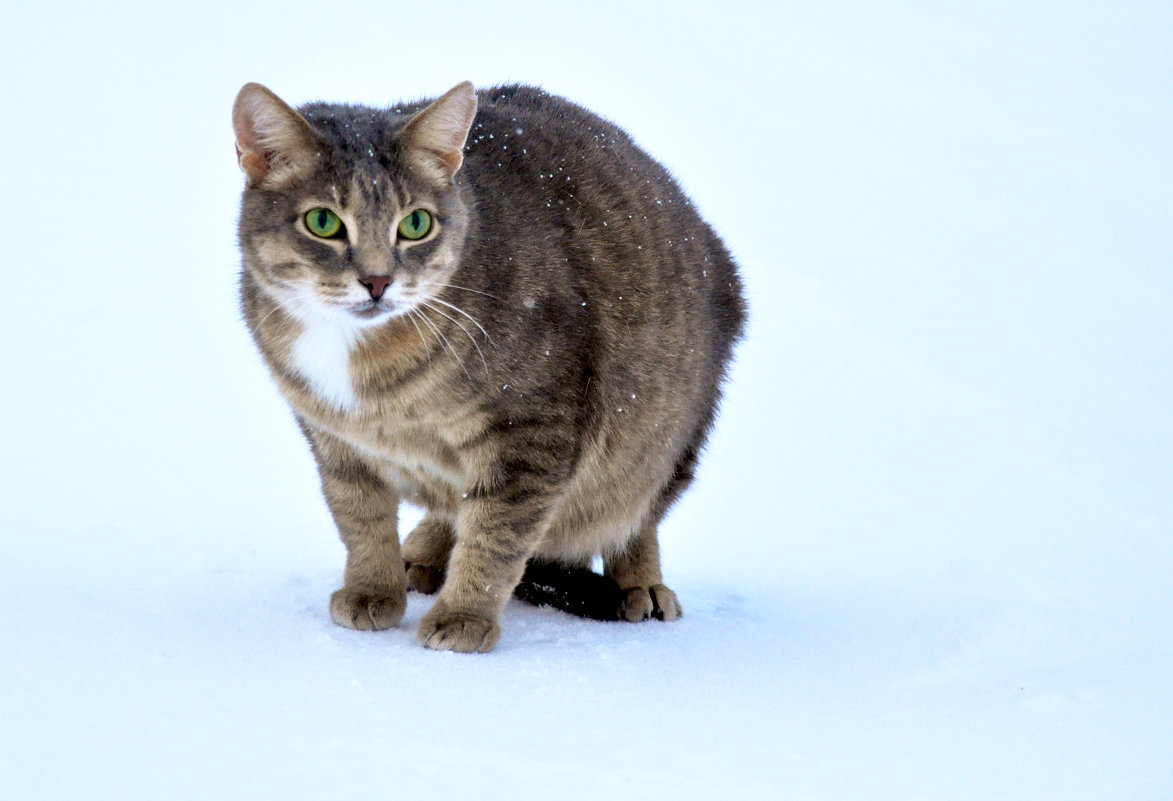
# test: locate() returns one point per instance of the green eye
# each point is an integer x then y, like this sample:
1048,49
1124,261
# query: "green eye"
415,225
323,223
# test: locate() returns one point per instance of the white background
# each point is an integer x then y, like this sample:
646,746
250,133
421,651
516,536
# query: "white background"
929,552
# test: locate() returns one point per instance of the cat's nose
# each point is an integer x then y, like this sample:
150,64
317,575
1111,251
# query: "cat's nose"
375,284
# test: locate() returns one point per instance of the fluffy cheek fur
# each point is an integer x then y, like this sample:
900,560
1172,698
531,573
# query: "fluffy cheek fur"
302,289
281,270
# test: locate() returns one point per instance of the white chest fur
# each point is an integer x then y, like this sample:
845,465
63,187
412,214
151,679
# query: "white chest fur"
321,354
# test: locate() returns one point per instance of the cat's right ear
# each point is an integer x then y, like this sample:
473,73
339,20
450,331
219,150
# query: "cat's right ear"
273,142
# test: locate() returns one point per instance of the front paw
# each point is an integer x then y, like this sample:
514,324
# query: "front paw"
656,601
442,629
367,610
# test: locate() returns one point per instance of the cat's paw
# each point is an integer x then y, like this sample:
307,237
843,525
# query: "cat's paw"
367,610
656,601
425,554
424,578
442,629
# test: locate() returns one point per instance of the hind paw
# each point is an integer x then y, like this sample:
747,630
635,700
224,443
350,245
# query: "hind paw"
657,601
424,578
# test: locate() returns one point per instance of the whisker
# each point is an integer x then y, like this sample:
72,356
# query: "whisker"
276,308
277,305
411,317
462,328
465,288
445,341
466,314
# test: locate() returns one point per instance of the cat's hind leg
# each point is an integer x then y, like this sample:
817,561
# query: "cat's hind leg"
425,554
636,569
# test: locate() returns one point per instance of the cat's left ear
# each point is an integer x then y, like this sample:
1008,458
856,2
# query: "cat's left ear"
273,142
433,141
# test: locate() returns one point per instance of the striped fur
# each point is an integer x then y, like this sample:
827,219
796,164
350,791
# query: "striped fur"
542,371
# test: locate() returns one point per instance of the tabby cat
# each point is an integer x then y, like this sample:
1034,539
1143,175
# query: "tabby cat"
496,307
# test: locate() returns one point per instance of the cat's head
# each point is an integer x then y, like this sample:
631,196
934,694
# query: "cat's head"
351,213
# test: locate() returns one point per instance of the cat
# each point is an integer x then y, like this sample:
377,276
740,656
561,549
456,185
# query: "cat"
498,308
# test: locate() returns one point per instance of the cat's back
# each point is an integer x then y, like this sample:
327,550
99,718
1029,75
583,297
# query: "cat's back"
545,168
551,131
546,146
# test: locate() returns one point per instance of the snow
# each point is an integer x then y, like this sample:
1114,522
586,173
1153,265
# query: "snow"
928,555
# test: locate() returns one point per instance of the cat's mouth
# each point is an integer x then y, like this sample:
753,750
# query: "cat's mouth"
371,309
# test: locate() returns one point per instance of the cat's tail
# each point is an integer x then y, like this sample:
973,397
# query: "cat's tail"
577,590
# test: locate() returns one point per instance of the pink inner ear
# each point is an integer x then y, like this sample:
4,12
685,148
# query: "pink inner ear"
255,165
253,159
242,125
272,140
251,156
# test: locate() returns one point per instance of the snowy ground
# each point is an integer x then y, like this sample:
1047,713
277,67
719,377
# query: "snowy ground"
929,554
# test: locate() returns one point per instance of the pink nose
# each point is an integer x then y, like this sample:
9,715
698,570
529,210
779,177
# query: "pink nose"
375,284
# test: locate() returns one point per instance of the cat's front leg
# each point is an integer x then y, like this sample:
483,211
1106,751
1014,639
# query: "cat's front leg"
497,529
366,510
